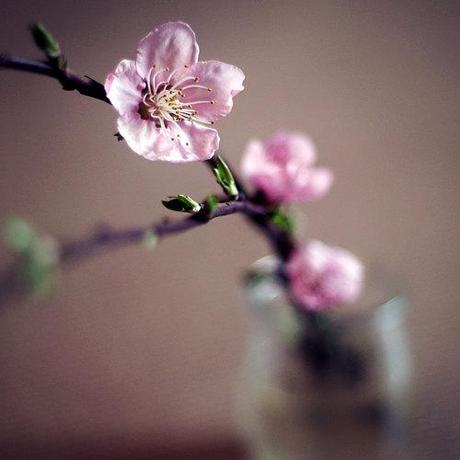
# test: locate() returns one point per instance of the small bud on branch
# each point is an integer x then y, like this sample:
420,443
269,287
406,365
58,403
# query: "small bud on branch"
282,220
48,44
212,203
149,240
182,203
225,178
37,257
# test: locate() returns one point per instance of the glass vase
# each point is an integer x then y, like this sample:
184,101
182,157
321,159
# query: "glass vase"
329,386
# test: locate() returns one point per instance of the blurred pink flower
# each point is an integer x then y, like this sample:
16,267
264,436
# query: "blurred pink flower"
167,100
282,167
322,276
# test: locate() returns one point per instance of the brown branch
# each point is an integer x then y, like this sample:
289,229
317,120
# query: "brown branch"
107,237
69,80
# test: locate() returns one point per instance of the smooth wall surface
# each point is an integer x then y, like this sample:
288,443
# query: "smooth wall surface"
139,346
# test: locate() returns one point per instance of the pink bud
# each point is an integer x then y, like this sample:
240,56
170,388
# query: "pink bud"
323,276
283,168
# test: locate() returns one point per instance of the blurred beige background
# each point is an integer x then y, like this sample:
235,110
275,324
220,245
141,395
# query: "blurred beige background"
142,347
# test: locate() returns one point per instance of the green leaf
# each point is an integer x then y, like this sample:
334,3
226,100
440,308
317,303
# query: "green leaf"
18,235
182,203
150,240
225,178
282,220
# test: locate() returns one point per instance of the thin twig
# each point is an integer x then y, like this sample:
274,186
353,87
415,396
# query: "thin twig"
69,80
107,237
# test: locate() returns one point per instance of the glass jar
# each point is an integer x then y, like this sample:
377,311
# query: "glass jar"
335,385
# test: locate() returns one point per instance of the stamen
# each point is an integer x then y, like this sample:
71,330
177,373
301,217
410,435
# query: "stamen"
155,86
183,81
149,75
203,122
172,74
197,86
189,104
161,101
163,127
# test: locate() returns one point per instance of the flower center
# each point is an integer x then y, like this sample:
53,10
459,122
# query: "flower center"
162,99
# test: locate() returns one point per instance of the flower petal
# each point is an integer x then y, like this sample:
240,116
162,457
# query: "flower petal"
124,87
263,174
282,168
178,144
170,45
253,161
318,184
224,80
144,137
192,142
293,148
324,276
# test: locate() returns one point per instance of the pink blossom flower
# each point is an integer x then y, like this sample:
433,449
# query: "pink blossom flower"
167,101
282,168
322,276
